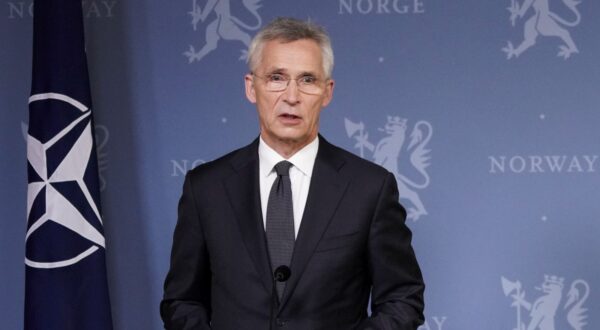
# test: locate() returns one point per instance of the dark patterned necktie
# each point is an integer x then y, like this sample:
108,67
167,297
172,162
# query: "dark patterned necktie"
280,224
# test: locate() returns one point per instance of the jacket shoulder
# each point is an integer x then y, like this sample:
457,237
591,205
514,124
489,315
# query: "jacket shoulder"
356,164
223,166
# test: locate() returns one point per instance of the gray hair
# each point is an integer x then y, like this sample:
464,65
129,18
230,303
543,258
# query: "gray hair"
288,30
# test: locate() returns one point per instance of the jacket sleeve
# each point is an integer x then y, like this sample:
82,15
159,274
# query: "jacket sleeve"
186,300
397,293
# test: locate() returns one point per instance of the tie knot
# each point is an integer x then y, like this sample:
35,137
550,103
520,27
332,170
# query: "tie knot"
283,168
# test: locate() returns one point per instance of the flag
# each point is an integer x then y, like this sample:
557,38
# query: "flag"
65,278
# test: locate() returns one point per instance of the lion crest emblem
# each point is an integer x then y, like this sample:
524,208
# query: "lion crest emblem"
223,26
543,311
387,152
543,22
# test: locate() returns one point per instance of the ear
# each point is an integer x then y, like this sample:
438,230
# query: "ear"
328,95
249,85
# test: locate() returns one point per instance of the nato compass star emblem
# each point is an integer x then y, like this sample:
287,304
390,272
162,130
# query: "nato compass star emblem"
63,219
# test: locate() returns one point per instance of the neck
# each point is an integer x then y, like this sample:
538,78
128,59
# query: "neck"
287,148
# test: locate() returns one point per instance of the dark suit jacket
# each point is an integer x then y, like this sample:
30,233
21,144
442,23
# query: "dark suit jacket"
352,242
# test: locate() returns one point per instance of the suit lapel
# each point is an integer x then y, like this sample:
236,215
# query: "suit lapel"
243,190
327,187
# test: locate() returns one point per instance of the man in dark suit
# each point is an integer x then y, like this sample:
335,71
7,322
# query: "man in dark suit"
291,232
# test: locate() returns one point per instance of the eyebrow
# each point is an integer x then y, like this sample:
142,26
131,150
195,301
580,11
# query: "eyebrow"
275,70
285,71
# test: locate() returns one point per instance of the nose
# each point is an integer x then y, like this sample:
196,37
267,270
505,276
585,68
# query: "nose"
291,94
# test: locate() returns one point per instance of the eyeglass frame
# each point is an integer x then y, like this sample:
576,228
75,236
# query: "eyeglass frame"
288,79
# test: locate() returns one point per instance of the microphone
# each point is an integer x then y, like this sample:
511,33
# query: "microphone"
282,273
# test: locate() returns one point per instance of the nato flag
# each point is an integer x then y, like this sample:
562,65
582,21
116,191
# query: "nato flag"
66,286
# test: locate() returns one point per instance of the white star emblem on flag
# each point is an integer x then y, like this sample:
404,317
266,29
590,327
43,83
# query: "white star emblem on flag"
71,169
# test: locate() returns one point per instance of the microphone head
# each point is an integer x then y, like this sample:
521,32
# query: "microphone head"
282,273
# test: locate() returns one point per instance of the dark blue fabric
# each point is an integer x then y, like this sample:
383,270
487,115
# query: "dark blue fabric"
74,296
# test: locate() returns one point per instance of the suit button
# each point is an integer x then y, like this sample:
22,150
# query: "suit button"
281,323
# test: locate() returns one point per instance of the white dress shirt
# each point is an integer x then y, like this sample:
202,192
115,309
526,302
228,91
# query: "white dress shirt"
303,162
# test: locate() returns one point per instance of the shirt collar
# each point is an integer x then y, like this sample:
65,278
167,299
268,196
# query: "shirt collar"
303,160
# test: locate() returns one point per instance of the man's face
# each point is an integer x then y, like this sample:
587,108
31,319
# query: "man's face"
289,117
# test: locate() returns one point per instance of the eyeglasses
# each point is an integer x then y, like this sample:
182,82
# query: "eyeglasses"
307,84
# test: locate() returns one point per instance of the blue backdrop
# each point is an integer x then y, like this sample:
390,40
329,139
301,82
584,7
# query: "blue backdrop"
489,111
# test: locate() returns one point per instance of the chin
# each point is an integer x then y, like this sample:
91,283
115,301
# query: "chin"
290,136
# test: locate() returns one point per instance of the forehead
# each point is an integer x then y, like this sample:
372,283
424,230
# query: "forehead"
297,56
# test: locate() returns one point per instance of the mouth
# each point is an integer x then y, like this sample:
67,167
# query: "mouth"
289,119
288,116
